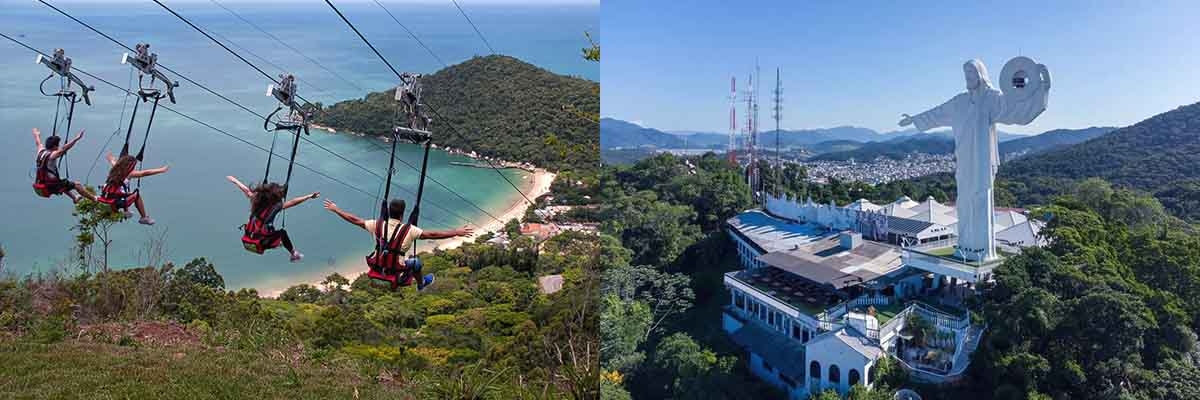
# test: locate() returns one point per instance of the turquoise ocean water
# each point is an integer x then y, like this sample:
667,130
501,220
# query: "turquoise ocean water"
197,210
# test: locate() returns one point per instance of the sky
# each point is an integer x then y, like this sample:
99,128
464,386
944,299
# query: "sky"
667,65
464,4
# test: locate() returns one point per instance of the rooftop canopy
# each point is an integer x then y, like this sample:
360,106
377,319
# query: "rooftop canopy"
769,233
827,262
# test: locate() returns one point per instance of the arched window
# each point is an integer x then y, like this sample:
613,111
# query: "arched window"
870,375
814,370
835,376
853,377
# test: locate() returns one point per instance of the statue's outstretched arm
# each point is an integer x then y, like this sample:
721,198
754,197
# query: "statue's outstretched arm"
936,117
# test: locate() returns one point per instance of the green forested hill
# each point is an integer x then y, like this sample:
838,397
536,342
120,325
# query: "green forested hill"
1160,155
501,106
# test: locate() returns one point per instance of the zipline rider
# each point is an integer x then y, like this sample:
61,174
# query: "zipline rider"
405,235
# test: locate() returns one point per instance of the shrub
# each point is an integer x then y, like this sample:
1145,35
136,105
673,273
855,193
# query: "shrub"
49,330
303,293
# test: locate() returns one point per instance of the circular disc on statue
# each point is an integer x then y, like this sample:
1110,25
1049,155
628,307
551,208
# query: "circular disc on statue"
1020,78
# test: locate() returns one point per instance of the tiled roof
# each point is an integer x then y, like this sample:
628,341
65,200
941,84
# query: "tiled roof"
852,339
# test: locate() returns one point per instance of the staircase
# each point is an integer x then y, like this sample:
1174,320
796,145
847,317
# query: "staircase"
970,343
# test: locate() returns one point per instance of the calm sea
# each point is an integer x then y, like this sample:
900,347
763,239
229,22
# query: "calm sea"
197,210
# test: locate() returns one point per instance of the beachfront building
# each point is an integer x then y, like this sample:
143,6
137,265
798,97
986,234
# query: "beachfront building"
826,290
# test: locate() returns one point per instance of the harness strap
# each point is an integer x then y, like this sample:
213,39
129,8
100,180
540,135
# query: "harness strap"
265,219
396,242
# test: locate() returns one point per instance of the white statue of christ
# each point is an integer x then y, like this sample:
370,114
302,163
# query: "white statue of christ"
973,116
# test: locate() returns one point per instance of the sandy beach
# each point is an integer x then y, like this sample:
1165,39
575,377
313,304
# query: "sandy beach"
534,185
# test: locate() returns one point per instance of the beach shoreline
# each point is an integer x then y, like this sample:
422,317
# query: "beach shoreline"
534,185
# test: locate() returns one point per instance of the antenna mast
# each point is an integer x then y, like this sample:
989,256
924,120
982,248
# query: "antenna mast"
778,114
747,131
752,130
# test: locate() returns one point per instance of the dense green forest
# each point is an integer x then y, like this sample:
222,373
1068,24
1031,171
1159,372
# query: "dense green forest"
483,331
1109,310
663,254
1160,156
498,106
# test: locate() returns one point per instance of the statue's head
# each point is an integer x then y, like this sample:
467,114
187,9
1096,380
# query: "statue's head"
976,75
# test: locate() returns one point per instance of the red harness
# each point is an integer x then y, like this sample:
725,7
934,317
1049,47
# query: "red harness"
388,265
259,234
118,197
47,183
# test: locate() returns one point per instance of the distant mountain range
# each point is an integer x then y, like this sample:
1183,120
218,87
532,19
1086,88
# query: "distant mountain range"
618,134
931,143
943,143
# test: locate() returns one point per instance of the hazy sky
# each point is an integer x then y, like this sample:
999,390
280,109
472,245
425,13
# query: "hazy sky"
667,64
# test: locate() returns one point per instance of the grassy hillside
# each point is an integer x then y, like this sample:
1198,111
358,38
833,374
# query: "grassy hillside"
78,369
501,106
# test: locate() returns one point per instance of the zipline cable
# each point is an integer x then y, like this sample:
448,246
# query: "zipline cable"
268,62
247,62
252,112
284,44
120,124
378,146
410,33
431,108
202,123
477,32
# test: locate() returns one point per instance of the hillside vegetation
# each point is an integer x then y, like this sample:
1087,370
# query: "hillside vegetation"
501,106
1109,310
1160,156
664,255
484,330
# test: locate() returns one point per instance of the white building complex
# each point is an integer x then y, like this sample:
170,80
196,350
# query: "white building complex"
826,291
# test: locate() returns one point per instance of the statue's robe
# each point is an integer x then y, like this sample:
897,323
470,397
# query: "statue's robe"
973,116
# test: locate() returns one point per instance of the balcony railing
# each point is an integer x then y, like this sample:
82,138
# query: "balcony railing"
970,271
894,325
936,244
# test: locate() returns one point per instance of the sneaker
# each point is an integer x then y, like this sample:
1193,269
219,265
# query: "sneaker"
127,214
297,256
146,221
425,282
